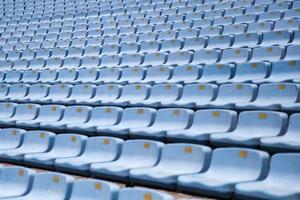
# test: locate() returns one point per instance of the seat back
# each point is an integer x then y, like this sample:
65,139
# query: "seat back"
237,92
90,189
135,92
68,145
50,113
76,114
26,111
83,90
51,185
108,92
109,74
239,163
186,73
137,117
165,92
142,193
38,90
4,88
18,90
11,137
87,75
199,92
38,141
59,91
262,123
106,115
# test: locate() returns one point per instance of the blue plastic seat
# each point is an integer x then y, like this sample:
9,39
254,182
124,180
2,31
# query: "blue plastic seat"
87,75
290,141
157,74
204,123
100,116
44,184
179,118
131,60
251,72
56,92
91,189
132,75
231,94
210,31
194,95
15,181
292,52
35,92
194,43
13,77
283,169
271,53
216,73
104,94
221,42
97,149
167,92
276,38
80,92
47,114
149,47
16,92
51,64
154,59
109,75
237,55
287,24
30,76
131,118
11,138
228,167
190,159
171,45
246,40
142,193
186,74
64,146
260,123
134,154
206,56
72,115
273,96
33,142
23,112
179,58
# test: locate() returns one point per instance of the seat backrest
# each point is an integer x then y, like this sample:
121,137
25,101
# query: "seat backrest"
65,75
135,92
216,120
142,193
69,145
278,93
206,56
215,72
133,74
154,59
39,90
262,123
286,69
30,75
90,62
60,90
186,73
158,73
11,137
137,117
185,158
76,114
284,167
237,92
273,53
252,71
27,111
241,163
15,180
13,76
107,148
134,150
40,141
199,92
50,185
109,74
50,113
173,119
294,125
7,109
48,75
91,189
165,92
108,91
4,88
86,75
18,90
83,90
106,115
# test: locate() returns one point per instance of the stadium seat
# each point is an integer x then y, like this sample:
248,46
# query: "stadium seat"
135,154
91,189
47,114
260,123
14,181
287,142
22,112
142,193
35,92
157,74
272,96
97,150
33,142
64,146
11,138
190,159
44,184
16,92
236,165
87,75
204,123
231,94
30,76
283,168
108,75
194,95
72,115
132,75
167,92
216,73
186,74
56,92
179,118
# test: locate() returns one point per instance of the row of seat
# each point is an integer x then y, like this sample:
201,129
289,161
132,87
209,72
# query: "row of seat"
196,168
63,40
160,23
217,126
214,57
273,96
84,48
156,10
260,72
20,183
